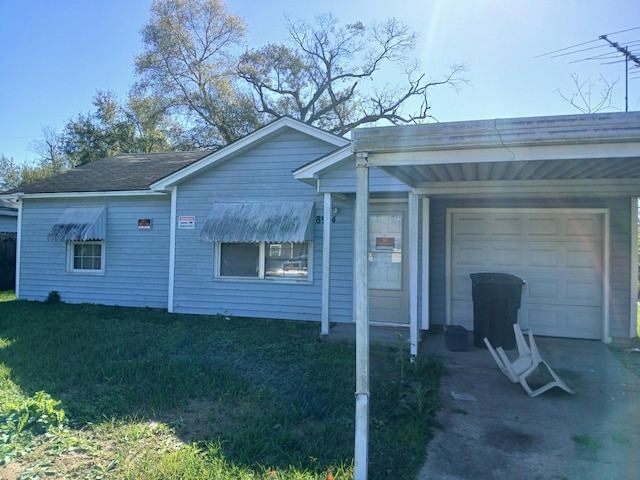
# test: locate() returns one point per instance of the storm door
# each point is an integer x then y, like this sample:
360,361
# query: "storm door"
388,272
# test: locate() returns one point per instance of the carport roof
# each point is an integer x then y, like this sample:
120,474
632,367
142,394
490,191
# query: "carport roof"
561,150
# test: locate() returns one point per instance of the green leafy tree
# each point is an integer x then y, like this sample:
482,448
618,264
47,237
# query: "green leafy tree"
111,128
9,173
324,75
189,65
13,174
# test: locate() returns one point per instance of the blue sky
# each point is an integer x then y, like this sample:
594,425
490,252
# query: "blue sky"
55,55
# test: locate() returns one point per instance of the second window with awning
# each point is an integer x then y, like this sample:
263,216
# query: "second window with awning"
260,240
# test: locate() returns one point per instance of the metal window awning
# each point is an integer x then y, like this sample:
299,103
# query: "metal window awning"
253,222
80,224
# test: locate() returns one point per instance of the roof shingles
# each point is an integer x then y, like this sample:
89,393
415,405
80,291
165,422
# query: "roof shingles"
125,172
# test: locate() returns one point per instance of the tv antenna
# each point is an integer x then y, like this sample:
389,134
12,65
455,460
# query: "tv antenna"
629,56
626,51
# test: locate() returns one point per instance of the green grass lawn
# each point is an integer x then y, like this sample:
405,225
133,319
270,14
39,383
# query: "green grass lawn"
90,391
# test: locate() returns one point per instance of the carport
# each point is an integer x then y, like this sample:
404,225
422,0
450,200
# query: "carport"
570,160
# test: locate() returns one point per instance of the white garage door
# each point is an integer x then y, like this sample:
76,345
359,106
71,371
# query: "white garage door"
557,253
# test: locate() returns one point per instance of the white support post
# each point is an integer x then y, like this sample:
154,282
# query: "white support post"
19,249
361,300
633,320
425,264
413,274
326,265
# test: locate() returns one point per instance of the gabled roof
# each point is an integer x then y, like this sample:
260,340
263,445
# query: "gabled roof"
253,139
126,172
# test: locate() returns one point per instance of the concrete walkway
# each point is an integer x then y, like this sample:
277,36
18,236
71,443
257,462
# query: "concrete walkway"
491,429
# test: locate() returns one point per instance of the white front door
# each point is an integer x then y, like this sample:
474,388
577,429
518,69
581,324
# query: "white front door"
559,254
388,272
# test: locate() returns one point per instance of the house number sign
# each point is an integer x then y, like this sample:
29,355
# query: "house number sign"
320,219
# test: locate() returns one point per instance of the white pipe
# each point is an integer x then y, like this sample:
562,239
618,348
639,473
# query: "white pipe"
361,301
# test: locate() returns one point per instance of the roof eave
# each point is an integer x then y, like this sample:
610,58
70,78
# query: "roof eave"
113,193
514,132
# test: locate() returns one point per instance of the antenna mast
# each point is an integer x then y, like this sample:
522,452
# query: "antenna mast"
628,56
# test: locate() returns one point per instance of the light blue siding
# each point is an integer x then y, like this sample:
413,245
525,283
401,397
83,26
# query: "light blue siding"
260,174
136,261
341,278
620,249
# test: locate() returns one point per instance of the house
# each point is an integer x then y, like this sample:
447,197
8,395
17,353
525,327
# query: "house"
266,227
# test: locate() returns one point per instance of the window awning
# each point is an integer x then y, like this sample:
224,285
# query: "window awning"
252,222
80,224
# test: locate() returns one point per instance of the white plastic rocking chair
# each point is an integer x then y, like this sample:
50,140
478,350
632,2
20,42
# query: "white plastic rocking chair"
527,362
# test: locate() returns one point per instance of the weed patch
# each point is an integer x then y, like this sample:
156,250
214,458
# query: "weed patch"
588,444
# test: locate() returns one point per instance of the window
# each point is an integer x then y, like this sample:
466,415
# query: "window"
263,260
239,260
85,257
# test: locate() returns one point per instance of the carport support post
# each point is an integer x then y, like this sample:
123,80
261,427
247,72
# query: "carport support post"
361,300
326,265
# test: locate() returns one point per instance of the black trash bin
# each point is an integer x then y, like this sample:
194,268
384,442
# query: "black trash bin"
496,301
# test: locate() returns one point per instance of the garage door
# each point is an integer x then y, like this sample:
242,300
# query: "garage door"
557,253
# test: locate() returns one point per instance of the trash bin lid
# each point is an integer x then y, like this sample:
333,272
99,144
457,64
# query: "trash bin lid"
492,278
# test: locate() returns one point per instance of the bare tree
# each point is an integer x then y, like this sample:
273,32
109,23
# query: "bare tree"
48,150
585,100
325,76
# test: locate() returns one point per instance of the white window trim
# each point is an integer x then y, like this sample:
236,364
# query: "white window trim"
261,267
70,255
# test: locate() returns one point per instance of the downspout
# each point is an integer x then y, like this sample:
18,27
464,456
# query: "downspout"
326,265
361,301
172,247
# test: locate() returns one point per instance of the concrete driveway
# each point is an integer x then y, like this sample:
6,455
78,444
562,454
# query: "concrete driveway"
491,429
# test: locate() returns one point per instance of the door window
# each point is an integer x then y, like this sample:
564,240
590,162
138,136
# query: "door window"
385,251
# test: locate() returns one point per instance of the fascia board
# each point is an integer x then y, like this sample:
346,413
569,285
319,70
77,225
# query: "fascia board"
314,169
619,127
127,193
255,137
507,153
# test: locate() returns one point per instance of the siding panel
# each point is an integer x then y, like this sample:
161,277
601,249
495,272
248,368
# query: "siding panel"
136,261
